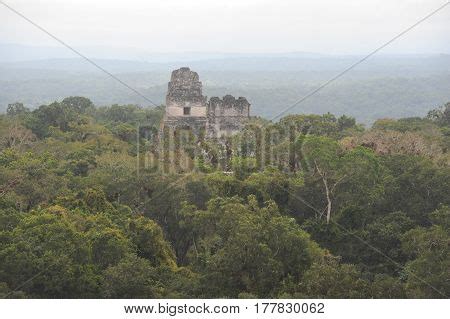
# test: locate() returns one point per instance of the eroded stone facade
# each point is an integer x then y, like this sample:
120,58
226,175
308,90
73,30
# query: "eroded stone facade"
187,107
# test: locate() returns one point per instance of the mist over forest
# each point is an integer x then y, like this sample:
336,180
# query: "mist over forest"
384,86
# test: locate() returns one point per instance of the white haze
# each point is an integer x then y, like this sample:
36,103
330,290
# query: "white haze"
239,26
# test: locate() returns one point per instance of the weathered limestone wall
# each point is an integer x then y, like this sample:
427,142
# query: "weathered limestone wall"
187,107
185,91
178,111
229,106
227,115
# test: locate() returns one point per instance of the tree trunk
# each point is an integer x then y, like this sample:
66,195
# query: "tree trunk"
328,199
327,192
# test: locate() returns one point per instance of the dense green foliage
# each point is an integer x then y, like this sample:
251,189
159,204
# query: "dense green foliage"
308,207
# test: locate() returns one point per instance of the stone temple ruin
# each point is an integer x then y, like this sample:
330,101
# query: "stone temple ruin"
187,108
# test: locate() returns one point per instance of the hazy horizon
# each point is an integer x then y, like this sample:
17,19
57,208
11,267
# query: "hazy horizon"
235,27
271,52
16,52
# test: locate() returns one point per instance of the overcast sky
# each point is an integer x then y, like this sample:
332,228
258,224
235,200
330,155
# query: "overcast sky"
248,26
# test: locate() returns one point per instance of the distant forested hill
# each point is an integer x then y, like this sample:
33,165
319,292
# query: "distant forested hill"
384,86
